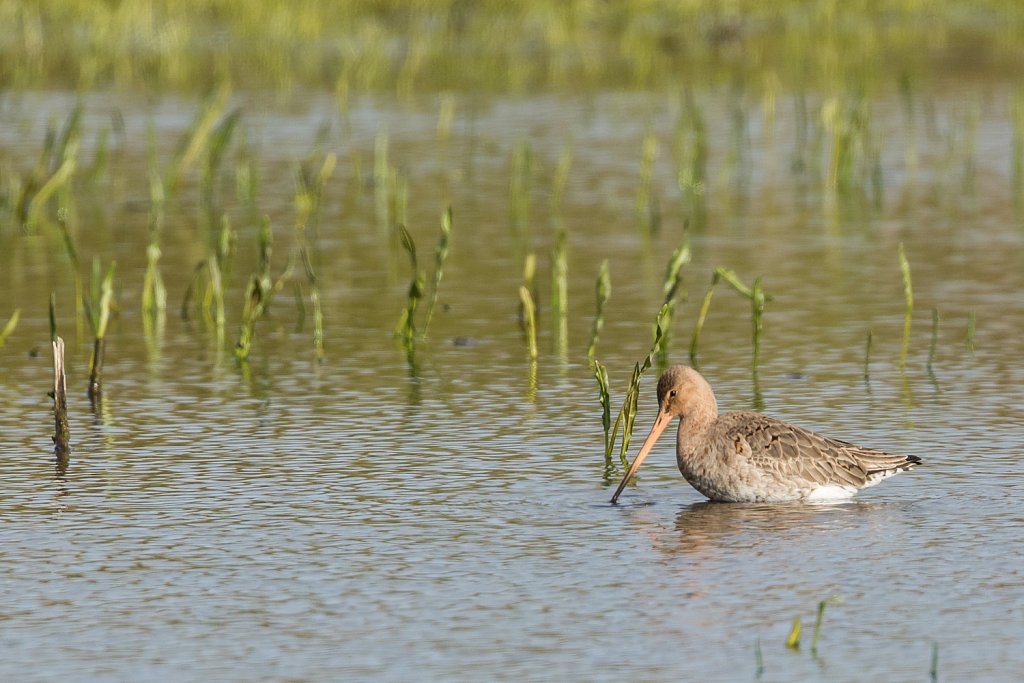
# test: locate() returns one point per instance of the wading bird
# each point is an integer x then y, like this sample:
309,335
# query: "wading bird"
749,457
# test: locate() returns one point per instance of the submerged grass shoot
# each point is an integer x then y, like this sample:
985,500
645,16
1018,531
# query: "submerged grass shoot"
601,375
72,252
834,600
398,193
154,294
935,338
220,138
219,266
673,280
867,357
56,181
529,275
52,173
314,299
209,280
603,290
440,255
793,639
445,117
757,299
755,294
197,137
627,413
529,310
691,156
645,199
561,177
381,180
560,295
1017,159
671,288
259,292
9,328
405,329
308,196
520,186
908,315
99,316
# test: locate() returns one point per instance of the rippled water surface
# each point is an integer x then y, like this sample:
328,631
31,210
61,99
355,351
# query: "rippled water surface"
446,516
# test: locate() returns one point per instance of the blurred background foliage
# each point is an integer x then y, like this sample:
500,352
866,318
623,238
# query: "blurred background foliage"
498,46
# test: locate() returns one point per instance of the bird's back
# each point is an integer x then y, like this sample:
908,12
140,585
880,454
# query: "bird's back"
747,456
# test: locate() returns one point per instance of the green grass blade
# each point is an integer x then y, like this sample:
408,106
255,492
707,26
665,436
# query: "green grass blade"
12,323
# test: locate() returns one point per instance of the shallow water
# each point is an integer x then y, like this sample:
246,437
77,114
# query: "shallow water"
448,520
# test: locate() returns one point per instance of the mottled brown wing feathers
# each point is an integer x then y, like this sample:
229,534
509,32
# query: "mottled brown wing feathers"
794,452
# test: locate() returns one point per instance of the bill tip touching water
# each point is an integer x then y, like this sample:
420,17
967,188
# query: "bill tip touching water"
750,457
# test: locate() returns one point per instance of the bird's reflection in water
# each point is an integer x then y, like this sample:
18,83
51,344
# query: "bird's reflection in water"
710,528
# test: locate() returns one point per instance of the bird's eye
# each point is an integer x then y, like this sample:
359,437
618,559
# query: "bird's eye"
672,394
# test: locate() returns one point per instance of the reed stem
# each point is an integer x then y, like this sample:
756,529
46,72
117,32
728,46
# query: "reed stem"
61,430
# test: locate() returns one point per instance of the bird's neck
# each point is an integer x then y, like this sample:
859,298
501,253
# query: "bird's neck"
695,423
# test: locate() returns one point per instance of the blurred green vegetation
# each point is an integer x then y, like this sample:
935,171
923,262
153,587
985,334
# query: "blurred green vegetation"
495,45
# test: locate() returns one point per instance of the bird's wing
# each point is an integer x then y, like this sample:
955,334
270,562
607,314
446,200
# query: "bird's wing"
791,452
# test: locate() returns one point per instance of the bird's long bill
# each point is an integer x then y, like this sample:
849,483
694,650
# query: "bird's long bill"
659,426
